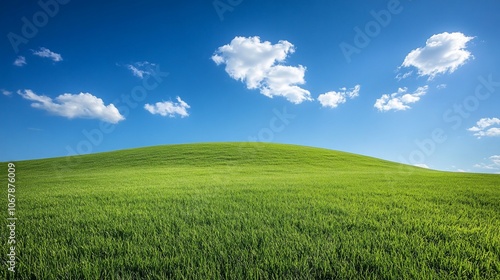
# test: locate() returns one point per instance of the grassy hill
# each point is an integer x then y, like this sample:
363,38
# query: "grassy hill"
251,211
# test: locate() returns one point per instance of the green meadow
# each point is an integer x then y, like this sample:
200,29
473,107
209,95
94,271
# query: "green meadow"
249,211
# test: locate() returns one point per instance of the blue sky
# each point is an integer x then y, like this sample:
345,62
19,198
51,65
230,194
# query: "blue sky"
408,81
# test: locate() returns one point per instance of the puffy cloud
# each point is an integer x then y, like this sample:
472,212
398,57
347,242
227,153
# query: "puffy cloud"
5,92
20,61
422,165
169,108
83,105
488,127
399,100
141,69
333,99
44,52
256,64
442,53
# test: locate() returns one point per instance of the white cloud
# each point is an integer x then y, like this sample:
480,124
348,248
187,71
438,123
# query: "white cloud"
83,105
495,160
441,86
484,166
488,127
401,76
169,108
141,69
442,53
494,163
44,52
5,92
422,165
256,64
20,61
399,100
333,99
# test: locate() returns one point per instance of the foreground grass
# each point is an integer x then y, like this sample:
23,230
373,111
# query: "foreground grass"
251,211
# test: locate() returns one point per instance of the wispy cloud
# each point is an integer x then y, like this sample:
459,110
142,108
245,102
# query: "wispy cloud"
486,127
399,100
44,52
493,164
401,76
422,165
20,61
256,64
5,92
333,99
169,108
441,86
83,105
443,53
141,69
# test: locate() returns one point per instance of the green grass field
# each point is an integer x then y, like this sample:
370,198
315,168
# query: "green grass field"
250,211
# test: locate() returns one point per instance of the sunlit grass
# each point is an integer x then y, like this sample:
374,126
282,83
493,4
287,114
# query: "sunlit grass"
251,211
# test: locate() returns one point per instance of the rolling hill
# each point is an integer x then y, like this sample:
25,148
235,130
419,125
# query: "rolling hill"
250,211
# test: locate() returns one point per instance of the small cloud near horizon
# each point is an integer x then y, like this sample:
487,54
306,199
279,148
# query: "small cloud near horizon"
493,164
422,165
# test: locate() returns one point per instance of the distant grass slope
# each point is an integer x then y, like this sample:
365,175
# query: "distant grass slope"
251,211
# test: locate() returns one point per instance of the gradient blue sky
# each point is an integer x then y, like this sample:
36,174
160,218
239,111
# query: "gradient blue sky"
334,69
